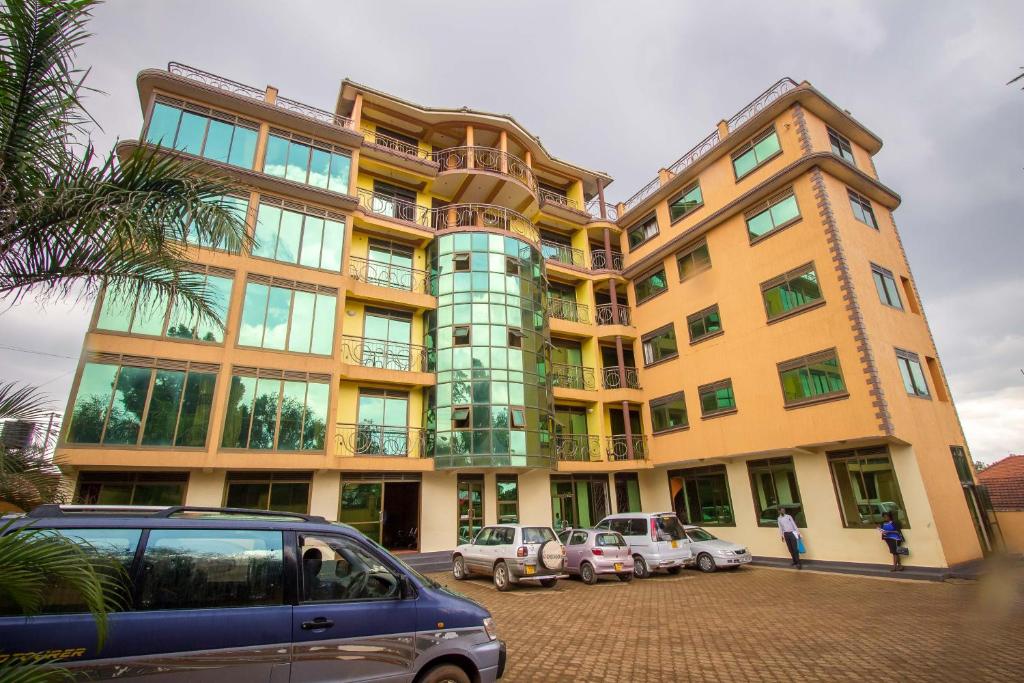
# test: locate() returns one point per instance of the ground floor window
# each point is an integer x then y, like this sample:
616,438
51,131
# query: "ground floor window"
131,488
470,499
866,487
277,491
508,498
700,495
627,492
383,506
578,501
773,482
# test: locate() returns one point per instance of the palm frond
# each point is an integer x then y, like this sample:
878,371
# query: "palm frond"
32,673
23,402
29,478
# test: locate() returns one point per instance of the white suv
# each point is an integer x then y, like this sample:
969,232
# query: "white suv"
656,539
512,553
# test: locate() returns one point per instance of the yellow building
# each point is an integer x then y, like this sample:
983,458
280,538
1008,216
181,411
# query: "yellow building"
441,325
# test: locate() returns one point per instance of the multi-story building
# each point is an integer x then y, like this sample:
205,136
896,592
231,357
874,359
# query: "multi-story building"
441,325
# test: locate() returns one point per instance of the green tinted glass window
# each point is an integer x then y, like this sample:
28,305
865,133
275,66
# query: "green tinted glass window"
660,345
913,376
811,377
650,285
308,165
689,200
774,485
755,153
225,140
772,215
795,290
867,488
642,232
693,261
885,284
668,413
285,319
271,414
716,398
127,313
704,323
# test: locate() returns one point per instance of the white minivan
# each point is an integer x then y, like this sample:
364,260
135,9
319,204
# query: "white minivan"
657,540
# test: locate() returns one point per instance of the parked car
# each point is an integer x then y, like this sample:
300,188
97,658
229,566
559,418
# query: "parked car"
219,594
510,554
656,540
591,553
714,553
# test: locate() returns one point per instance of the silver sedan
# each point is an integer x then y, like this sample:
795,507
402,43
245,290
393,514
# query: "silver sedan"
715,553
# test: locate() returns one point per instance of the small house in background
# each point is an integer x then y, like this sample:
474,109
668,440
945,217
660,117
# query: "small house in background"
1004,482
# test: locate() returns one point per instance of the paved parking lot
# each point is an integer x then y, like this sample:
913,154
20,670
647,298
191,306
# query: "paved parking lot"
759,624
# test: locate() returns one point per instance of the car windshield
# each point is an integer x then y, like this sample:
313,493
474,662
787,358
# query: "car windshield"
610,540
537,534
699,535
669,528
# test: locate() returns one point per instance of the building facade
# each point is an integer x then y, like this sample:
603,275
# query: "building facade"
440,325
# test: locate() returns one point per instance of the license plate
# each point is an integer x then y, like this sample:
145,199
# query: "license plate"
618,566
530,569
675,544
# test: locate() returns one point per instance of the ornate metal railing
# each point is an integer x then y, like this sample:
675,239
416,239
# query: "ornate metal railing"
486,159
611,378
577,447
380,353
617,447
394,207
702,148
564,309
253,93
378,440
594,209
555,251
604,314
549,197
572,377
599,260
396,145
387,275
773,93
484,216
642,194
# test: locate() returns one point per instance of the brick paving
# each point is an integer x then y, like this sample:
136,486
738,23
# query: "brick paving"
760,624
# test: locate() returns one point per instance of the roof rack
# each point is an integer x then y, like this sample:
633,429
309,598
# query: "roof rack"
160,511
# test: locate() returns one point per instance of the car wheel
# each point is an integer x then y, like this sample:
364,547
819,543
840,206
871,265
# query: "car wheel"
626,577
501,577
549,583
706,563
674,570
640,568
446,673
459,568
587,574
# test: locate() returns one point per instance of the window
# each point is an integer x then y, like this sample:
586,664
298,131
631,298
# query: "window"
515,338
630,526
460,417
307,161
695,260
119,404
716,398
239,206
518,418
811,378
212,568
285,315
841,146
866,487
311,241
627,494
131,488
395,201
650,285
389,265
267,412
793,291
773,483
508,498
383,418
862,210
337,569
461,262
460,335
271,491
689,200
756,152
642,232
163,317
660,345
885,283
203,132
700,495
511,266
913,376
668,413
385,343
772,215
704,324
390,133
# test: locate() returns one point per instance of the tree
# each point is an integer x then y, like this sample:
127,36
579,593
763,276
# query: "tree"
979,465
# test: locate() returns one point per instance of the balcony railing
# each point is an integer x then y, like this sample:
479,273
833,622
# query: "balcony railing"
377,440
387,275
594,209
572,377
599,260
555,251
254,93
617,447
380,353
486,159
395,145
549,197
605,314
484,216
564,309
611,378
391,206
577,447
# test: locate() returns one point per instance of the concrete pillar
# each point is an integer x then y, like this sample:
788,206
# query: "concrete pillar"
470,145
503,146
357,111
271,95
723,129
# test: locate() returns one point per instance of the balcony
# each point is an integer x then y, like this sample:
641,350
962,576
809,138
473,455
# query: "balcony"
370,440
561,253
485,174
612,378
389,206
573,377
563,309
387,275
559,205
618,447
606,314
383,354
594,209
599,260
577,447
490,216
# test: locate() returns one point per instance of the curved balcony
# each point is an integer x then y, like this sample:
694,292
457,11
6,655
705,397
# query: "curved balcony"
619,447
599,260
606,314
390,206
568,310
478,174
612,378
577,447
383,354
561,253
573,377
485,216
387,275
370,440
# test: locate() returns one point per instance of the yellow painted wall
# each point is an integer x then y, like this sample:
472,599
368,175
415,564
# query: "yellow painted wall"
205,489
1011,526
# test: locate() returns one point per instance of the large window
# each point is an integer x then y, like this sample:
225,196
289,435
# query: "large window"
389,264
885,284
307,161
508,498
313,241
716,398
165,403
627,492
704,324
773,483
862,211
268,412
386,336
203,132
772,215
793,291
694,260
285,315
277,491
383,422
913,375
687,201
648,286
642,231
760,149
239,206
841,146
660,345
164,317
700,495
668,413
866,486
811,378
131,488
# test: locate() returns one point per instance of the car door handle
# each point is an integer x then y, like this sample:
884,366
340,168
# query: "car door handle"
319,622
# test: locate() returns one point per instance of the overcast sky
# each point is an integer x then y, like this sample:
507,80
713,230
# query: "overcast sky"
626,88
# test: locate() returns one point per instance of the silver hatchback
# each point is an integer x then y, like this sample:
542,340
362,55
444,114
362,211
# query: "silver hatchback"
591,553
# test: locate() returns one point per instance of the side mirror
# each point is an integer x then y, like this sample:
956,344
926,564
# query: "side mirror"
408,589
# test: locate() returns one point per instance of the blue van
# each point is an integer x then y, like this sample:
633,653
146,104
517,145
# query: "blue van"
218,595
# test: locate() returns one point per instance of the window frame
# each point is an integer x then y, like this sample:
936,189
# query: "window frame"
646,278
862,455
662,401
837,141
702,315
506,479
293,288
689,252
862,202
269,478
715,386
880,273
648,221
313,144
771,464
460,258
133,479
658,332
766,206
909,357
326,539
785,280
210,114
697,474
805,362
695,185
749,146
282,379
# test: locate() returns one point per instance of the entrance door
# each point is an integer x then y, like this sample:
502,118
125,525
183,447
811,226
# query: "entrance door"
400,513
471,507
563,505
361,505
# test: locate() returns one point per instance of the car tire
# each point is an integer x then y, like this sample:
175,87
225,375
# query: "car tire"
549,583
502,579
706,563
674,570
587,574
459,568
640,568
625,577
445,673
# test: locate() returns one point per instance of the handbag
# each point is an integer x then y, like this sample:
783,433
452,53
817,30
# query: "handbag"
800,546
902,550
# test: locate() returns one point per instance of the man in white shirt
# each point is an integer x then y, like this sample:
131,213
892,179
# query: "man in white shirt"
791,535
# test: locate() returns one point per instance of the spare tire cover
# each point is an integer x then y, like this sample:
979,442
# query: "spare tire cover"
550,555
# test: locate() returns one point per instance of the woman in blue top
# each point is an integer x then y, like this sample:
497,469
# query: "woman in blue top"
892,536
